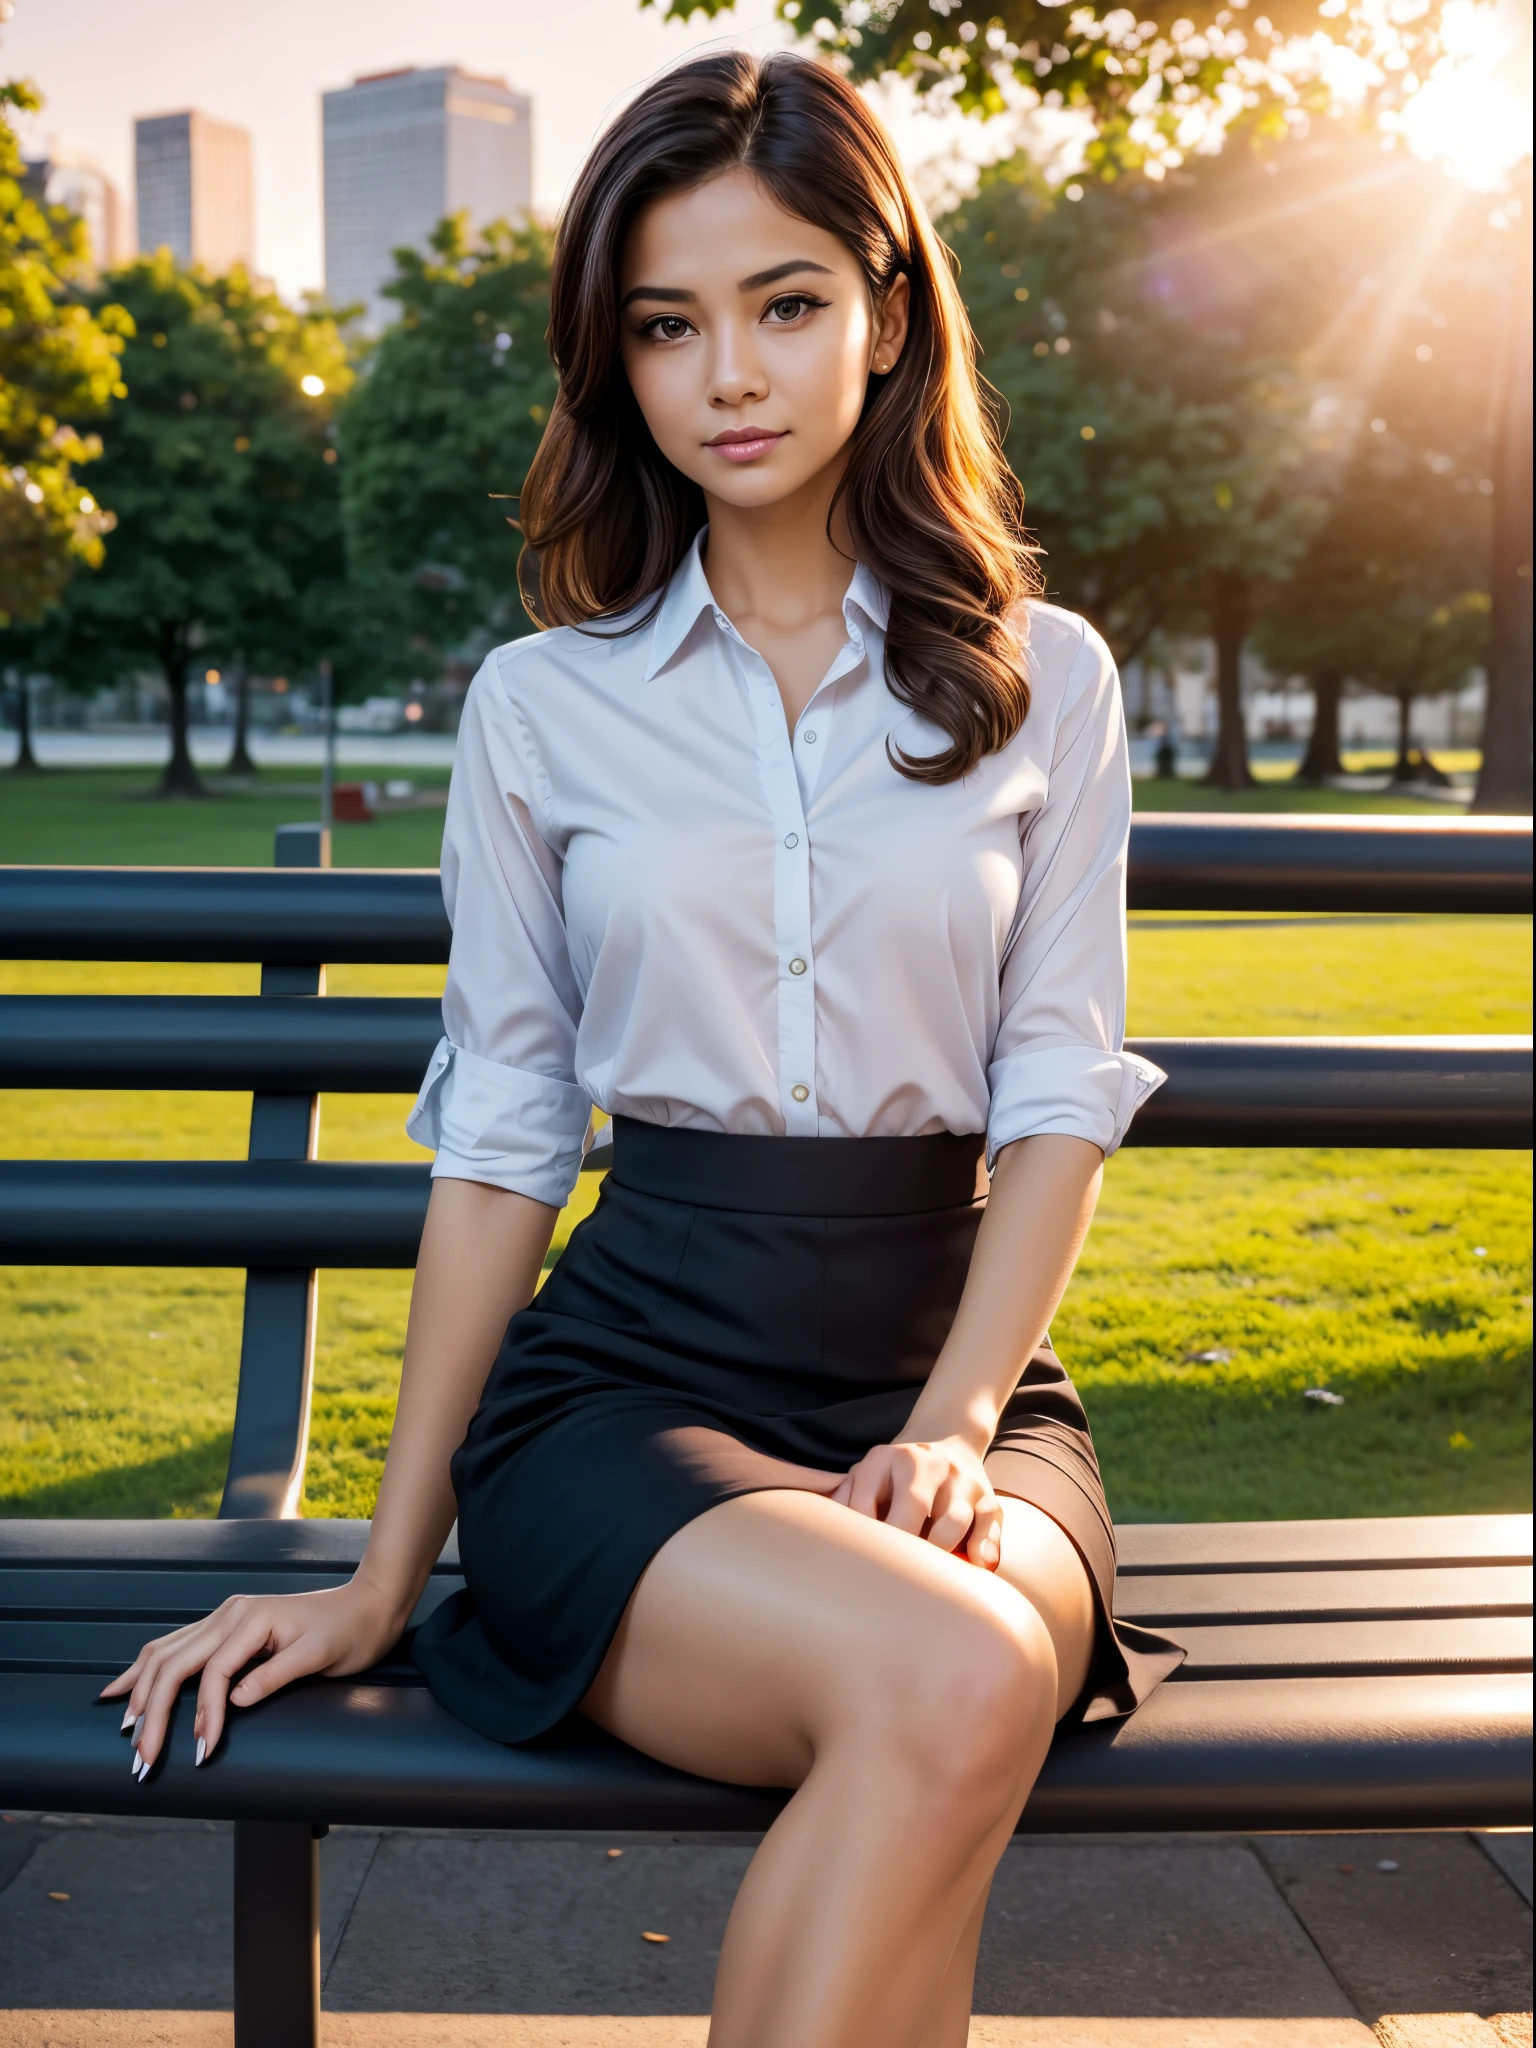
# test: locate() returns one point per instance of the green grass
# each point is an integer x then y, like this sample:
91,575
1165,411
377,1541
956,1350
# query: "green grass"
1279,792
1357,1272
108,817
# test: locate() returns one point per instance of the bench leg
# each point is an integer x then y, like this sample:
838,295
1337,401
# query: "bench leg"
277,1935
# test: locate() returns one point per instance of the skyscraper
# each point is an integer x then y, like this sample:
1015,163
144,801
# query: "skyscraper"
194,188
65,178
403,148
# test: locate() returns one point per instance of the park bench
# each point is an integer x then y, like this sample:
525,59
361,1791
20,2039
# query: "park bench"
1341,1675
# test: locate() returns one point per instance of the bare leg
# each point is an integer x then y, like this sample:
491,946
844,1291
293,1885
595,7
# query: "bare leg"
1041,1560
782,1640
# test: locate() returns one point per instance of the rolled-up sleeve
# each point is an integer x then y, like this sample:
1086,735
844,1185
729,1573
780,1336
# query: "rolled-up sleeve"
1059,1062
500,1102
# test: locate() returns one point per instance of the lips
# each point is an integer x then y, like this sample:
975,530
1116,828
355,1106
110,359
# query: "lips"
744,444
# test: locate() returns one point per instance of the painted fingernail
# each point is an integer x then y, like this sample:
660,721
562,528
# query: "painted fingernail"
202,1751
143,1772
138,1728
137,1761
127,1722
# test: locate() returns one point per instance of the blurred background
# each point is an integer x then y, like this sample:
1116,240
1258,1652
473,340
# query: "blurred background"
1253,292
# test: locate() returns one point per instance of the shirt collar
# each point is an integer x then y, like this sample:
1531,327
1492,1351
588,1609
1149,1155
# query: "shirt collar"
685,597
870,595
688,594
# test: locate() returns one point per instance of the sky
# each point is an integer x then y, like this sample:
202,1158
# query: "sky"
99,63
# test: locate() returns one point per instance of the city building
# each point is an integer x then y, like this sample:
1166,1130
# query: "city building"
64,178
404,148
194,189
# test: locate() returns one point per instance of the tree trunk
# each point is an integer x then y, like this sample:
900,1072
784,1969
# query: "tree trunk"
181,777
1504,783
26,762
1402,771
1229,759
240,762
1321,759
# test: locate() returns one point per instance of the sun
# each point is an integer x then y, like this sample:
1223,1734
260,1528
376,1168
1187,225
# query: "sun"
1473,113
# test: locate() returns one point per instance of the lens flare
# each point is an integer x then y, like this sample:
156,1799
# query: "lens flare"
1473,113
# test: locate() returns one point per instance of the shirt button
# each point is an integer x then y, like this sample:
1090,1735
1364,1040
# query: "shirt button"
797,967
791,838
800,1092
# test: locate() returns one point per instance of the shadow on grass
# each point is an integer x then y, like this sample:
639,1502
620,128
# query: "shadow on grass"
187,1481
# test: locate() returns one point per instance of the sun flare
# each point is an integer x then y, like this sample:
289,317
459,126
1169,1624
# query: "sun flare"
1473,113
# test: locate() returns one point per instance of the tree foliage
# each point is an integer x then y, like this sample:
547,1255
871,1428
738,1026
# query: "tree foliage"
1160,80
1191,369
221,471
1158,429
59,369
439,434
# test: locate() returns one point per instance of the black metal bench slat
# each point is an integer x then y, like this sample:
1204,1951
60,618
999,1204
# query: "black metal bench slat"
26,1590
1252,864
1428,1751
1377,1542
236,1212
105,1642
1338,1091
383,916
360,1045
1177,862
1374,1542
1473,1091
1205,1600
1352,1648
1301,1596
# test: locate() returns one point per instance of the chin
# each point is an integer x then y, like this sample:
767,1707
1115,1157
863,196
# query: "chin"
760,484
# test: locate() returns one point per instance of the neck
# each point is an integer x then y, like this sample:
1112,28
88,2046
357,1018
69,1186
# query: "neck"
776,561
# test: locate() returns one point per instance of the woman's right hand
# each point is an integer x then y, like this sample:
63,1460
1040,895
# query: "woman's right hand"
281,1636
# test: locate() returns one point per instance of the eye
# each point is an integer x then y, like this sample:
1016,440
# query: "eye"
667,327
791,308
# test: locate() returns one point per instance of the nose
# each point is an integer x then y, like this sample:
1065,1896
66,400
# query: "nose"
737,376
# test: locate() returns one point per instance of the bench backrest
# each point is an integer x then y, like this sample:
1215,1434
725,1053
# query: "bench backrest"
281,1214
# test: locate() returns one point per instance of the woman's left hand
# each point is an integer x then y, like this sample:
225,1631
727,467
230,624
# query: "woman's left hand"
938,1490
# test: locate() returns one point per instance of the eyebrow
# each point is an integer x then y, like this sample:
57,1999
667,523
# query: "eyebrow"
669,294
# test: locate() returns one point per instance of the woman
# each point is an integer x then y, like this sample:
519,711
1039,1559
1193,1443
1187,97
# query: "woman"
797,843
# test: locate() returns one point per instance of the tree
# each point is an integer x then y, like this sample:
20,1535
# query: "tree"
1504,784
1427,654
1198,370
1160,80
221,469
1388,596
1392,593
438,437
1169,80
1158,435
58,363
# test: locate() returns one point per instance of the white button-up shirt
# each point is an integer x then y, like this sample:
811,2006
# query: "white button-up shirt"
668,904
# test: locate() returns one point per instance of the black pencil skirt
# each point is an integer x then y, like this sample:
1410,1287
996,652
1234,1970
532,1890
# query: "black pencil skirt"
731,1303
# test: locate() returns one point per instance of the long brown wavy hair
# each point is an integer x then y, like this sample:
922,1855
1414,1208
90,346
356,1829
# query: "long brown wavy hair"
928,503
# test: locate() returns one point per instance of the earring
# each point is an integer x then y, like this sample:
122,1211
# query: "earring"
881,366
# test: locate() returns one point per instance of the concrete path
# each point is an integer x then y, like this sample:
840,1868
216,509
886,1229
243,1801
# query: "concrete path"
116,1934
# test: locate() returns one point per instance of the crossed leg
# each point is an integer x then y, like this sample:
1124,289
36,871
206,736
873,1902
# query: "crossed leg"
910,1698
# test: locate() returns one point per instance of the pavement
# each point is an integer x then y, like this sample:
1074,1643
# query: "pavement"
117,1934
